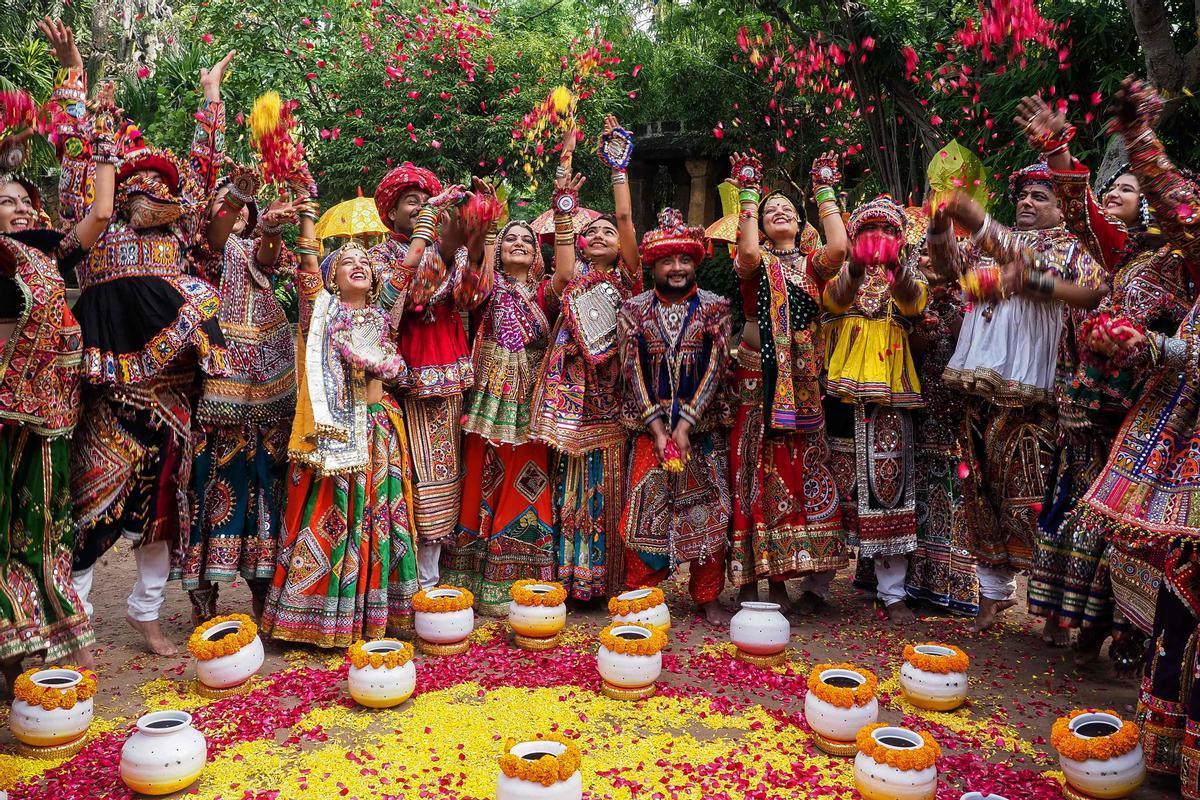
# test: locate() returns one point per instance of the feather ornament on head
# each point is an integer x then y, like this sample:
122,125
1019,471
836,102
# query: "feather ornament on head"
271,126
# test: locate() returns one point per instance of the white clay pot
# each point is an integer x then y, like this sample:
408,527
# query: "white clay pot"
981,796
836,723
37,727
876,781
760,629
1110,779
224,672
166,754
933,691
537,622
659,616
445,627
516,789
626,671
382,687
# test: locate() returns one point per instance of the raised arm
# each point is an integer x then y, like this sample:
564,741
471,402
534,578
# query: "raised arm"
566,197
746,175
828,259
68,110
308,279
207,149
616,148
424,262
105,158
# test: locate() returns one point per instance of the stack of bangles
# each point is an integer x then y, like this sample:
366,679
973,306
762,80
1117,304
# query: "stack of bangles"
827,205
563,170
308,246
426,225
1038,281
618,177
748,194
564,230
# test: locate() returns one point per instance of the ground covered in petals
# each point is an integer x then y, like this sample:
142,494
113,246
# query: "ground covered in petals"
718,728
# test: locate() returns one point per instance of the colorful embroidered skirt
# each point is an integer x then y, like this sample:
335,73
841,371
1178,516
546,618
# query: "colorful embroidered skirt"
347,566
131,464
872,461
1012,453
240,485
942,570
39,610
506,525
786,518
588,496
434,430
670,518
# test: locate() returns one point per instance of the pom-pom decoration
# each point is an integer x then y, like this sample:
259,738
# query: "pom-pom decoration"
672,459
282,157
876,248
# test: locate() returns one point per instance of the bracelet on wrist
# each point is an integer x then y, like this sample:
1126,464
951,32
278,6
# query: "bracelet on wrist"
618,177
825,194
748,195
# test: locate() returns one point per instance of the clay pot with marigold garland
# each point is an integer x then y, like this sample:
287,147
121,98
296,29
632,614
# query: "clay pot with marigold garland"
647,606
382,673
544,768
841,699
1100,754
228,654
630,660
537,613
52,710
934,676
895,764
444,617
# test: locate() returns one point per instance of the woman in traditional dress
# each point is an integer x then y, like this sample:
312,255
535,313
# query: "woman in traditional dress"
40,612
506,525
245,417
786,519
1070,583
1147,495
148,329
576,404
347,564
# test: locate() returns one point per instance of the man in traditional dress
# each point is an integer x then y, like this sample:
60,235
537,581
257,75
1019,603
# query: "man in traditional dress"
873,387
674,353
425,299
1022,284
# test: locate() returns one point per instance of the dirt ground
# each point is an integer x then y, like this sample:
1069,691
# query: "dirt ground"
1012,668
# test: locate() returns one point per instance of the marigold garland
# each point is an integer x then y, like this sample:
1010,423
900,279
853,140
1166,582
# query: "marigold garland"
547,770
442,605
361,658
51,697
1101,748
839,696
909,758
523,596
206,650
942,665
652,644
623,608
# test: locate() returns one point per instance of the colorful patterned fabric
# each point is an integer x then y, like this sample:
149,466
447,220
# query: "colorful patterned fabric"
706,578
588,498
39,363
39,610
672,236
434,435
506,524
347,566
1106,238
786,516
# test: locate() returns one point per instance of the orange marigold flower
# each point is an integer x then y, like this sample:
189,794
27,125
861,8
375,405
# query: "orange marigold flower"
623,608
547,770
206,649
654,643
425,604
361,658
906,759
51,697
839,696
958,662
1076,748
522,595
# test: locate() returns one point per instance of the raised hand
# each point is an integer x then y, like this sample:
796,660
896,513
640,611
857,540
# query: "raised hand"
825,170
570,184
1040,122
746,170
210,79
451,196
1136,105
62,40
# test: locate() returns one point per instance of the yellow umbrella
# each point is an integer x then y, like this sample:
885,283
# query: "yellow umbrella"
356,217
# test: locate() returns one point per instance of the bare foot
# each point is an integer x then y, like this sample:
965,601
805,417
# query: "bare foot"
716,615
83,658
808,604
1054,634
989,610
748,593
156,642
12,670
899,614
258,603
777,593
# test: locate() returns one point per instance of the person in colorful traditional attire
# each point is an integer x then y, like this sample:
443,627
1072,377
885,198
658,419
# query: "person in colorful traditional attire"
1016,338
674,345
244,418
576,403
426,288
1146,494
40,611
873,388
347,562
506,525
941,570
148,327
787,521
1070,582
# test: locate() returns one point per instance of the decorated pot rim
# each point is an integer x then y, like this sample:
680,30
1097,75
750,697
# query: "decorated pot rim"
934,650
1075,746
436,593
937,657
561,760
550,746
636,594
923,754
981,796
910,736
641,632
838,672
860,695
383,645
41,675
443,599
1095,716
648,640
229,625
182,720
635,601
759,605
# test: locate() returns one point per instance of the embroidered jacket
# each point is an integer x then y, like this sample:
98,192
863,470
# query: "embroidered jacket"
675,359
39,364
1175,200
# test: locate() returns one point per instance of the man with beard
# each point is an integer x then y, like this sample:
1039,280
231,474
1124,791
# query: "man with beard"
674,351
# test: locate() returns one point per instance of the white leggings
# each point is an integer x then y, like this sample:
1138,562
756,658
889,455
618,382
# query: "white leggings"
428,564
153,569
890,572
996,583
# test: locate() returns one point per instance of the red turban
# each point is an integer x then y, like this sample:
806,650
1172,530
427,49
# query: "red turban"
395,183
672,236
